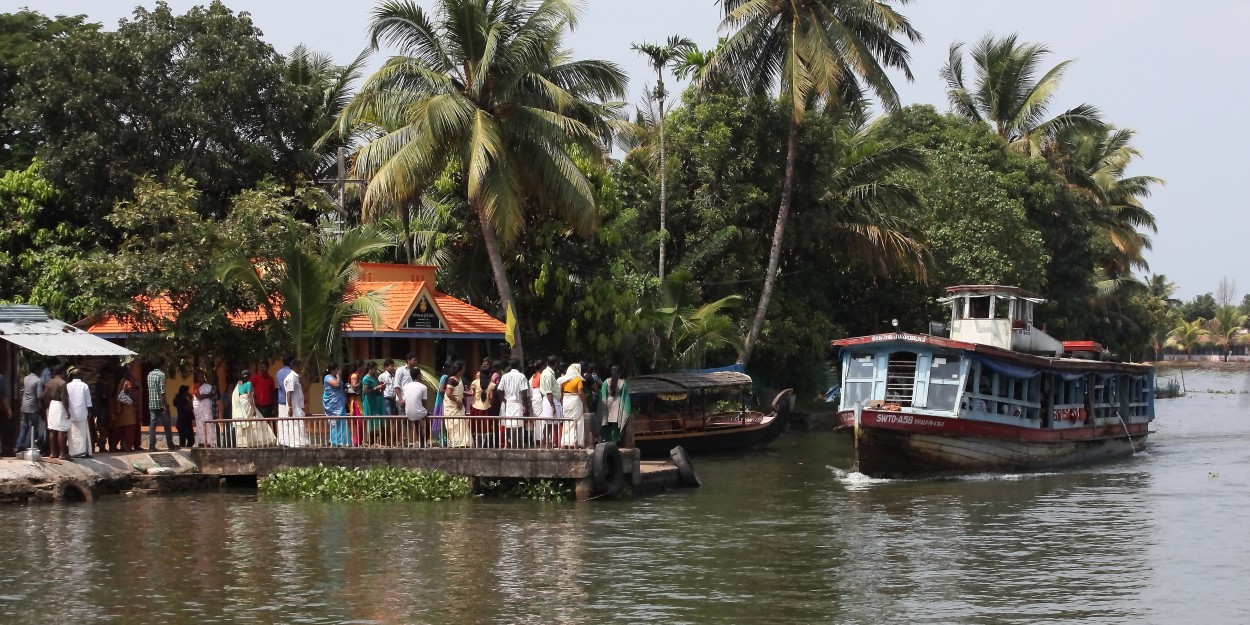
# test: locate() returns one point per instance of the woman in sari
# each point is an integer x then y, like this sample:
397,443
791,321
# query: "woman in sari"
436,425
372,403
573,435
613,406
458,433
249,429
355,408
334,400
481,400
125,419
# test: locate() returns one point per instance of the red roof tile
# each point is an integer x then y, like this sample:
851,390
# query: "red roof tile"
397,287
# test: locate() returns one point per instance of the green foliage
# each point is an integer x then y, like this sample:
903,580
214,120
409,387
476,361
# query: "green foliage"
199,93
39,251
379,483
1200,307
21,33
528,488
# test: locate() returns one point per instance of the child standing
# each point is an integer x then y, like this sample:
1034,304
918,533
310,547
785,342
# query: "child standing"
186,416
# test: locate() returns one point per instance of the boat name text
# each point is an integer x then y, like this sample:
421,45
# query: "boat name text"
899,336
906,419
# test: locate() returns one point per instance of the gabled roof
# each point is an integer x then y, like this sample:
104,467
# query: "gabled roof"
398,287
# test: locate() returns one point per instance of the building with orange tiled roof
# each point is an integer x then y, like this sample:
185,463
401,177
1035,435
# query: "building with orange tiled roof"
416,317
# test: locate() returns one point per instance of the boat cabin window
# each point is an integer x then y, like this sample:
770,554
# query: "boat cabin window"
979,307
943,382
994,393
1002,308
1139,397
859,376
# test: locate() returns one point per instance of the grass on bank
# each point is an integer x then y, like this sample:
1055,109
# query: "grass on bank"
379,483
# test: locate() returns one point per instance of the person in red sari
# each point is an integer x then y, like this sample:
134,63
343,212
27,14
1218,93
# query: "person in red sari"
355,408
264,389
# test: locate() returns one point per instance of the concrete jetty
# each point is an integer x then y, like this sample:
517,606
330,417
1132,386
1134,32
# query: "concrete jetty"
84,479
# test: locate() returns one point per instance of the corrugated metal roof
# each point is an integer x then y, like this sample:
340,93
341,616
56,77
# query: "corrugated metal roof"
29,327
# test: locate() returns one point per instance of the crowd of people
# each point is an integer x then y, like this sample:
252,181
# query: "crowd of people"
557,405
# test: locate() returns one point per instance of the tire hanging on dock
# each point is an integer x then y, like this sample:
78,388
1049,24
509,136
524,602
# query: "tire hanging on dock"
607,470
685,470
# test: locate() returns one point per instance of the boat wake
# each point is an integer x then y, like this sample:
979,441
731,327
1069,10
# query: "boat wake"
855,481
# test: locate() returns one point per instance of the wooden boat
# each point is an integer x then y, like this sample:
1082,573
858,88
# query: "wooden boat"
998,394
701,412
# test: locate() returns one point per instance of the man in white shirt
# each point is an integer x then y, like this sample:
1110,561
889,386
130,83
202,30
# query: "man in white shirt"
515,388
415,394
387,380
291,432
403,375
79,413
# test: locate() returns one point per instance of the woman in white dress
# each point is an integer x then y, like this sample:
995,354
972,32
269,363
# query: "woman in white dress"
249,430
458,432
573,434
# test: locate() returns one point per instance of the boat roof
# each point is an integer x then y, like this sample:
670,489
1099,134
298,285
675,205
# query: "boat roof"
876,342
994,289
673,383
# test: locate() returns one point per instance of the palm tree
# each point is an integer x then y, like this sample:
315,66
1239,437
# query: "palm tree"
482,90
305,289
1009,96
815,49
1188,334
1095,160
866,197
1225,327
327,88
685,330
662,57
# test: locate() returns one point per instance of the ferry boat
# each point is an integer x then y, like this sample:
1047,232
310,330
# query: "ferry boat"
997,394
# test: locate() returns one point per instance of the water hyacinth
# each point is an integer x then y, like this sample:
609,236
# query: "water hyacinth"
379,483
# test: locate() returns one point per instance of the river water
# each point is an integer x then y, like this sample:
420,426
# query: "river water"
786,535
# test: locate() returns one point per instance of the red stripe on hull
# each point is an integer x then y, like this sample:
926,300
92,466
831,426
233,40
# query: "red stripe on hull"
901,445
948,426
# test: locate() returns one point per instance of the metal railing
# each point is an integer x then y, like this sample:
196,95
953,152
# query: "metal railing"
464,432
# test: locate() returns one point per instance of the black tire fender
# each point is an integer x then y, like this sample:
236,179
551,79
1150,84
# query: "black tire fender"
607,470
685,470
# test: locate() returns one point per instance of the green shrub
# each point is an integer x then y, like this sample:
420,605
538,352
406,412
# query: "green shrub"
340,484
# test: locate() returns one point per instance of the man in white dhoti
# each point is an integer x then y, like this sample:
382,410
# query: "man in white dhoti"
516,403
55,401
79,395
291,432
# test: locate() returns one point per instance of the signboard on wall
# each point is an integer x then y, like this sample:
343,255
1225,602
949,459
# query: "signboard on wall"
423,316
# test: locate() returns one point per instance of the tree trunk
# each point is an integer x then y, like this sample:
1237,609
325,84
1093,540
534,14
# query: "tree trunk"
663,187
495,255
774,255
405,216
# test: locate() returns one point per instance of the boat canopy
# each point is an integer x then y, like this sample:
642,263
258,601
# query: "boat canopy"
677,383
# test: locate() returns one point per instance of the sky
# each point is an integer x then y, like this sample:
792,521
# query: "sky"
1172,71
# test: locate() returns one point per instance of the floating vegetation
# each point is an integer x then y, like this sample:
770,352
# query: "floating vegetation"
380,483
528,488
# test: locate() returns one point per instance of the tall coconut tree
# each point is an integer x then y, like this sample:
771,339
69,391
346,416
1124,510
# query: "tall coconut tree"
813,49
1008,94
1096,160
661,58
484,90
